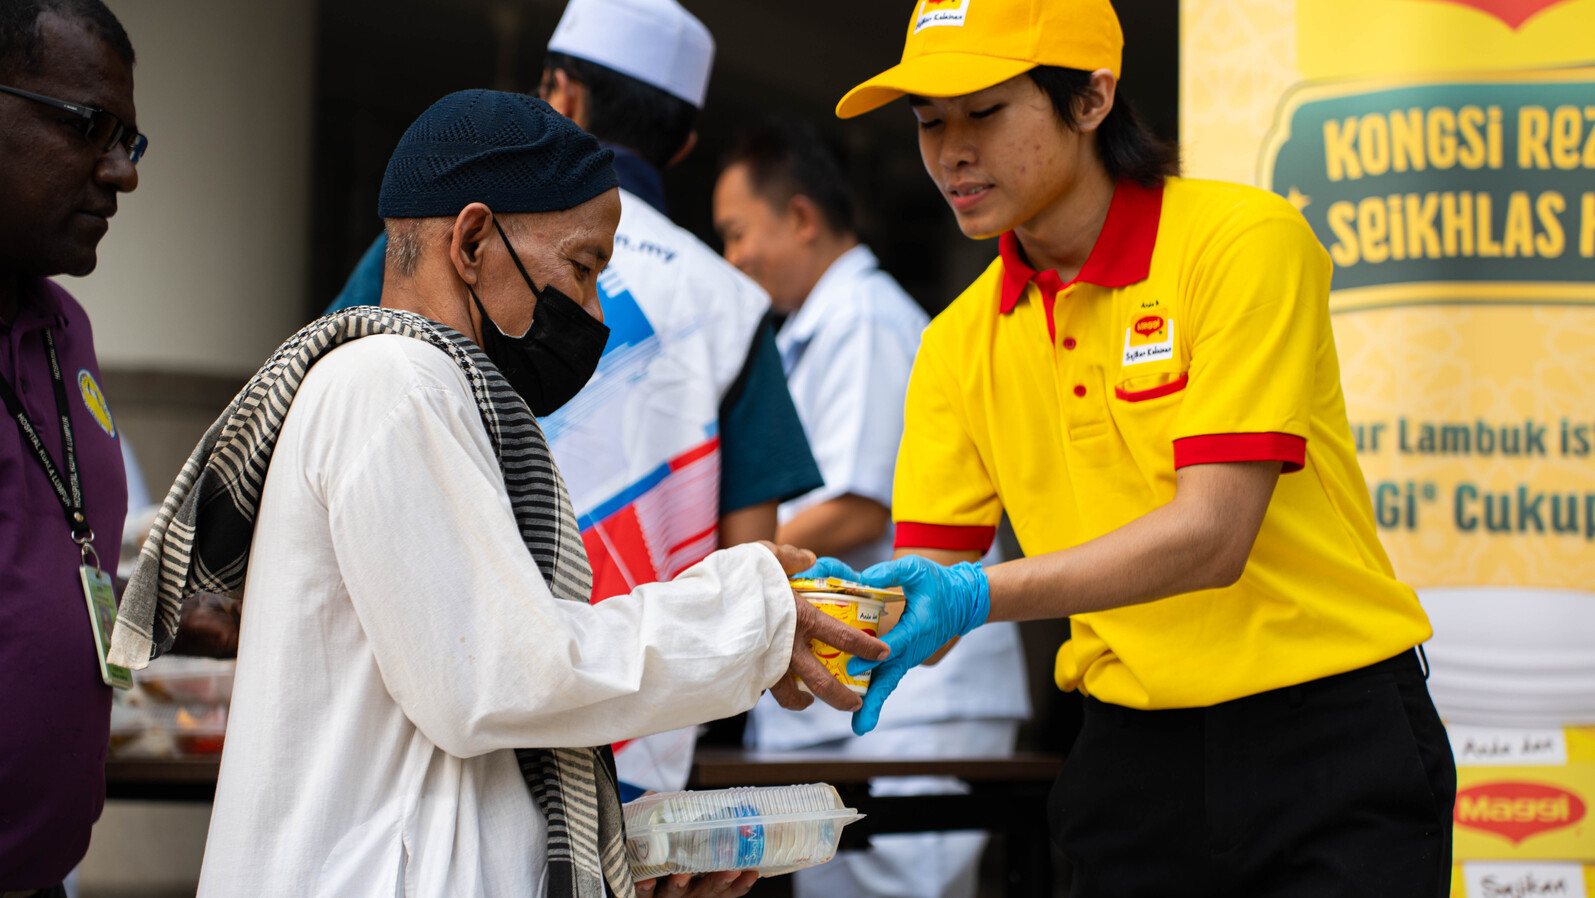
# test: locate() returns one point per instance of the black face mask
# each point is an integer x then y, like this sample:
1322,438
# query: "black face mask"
554,359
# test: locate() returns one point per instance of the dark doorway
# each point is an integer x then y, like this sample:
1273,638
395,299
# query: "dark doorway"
381,62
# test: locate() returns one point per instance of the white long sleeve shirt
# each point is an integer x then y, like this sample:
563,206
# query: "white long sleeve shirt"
398,642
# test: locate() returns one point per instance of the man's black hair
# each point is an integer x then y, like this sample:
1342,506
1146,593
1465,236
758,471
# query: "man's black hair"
22,46
785,157
1127,147
650,122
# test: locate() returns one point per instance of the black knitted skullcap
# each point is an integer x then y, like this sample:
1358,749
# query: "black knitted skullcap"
509,151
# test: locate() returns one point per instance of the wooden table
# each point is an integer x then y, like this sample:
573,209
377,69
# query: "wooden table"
1007,796
162,779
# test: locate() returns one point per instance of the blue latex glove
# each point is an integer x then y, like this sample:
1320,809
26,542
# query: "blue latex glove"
829,567
943,602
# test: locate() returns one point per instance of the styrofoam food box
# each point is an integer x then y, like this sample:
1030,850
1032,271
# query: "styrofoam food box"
771,829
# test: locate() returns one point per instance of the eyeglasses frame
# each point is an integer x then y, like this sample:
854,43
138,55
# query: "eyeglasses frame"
135,149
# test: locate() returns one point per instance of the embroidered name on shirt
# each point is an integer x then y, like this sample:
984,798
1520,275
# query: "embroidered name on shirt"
1149,339
933,13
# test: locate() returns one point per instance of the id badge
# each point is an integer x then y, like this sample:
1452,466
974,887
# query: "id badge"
101,598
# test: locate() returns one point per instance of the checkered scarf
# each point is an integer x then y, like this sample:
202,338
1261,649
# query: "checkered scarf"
201,539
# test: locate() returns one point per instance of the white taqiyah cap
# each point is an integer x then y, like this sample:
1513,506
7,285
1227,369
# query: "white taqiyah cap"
655,41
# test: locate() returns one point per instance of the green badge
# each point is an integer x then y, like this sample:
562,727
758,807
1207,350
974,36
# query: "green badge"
101,598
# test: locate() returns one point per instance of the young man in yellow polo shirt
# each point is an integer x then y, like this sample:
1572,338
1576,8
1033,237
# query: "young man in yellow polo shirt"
1146,380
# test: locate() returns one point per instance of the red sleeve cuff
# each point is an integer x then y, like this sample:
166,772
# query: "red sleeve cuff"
943,536
1218,448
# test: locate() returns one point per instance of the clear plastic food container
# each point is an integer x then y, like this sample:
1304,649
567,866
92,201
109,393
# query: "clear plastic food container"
771,829
128,724
199,731
163,731
182,679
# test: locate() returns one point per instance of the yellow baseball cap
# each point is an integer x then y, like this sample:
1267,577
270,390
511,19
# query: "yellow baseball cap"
958,47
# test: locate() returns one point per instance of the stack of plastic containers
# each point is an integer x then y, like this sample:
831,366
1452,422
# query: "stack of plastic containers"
771,829
178,706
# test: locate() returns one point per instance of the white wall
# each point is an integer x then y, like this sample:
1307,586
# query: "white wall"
203,270
145,848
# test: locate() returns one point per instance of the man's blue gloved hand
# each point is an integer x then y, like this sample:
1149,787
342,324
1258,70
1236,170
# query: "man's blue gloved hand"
943,602
829,567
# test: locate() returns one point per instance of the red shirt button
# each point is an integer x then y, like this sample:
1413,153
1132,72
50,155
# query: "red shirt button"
1079,390
1068,343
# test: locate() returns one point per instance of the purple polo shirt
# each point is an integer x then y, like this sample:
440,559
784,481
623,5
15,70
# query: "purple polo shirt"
54,708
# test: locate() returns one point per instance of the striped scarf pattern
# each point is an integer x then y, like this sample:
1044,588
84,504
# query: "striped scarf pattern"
201,537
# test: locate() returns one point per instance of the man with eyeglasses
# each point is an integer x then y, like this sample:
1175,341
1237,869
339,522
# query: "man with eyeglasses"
68,147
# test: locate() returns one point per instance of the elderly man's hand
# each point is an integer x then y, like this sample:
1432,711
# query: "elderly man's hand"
812,623
793,560
725,885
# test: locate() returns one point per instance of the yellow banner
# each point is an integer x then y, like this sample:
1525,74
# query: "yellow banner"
1444,152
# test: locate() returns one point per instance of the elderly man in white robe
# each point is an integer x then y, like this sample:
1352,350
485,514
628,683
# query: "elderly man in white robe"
415,588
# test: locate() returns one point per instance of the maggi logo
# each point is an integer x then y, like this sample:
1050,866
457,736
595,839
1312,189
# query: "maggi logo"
1516,811
1149,325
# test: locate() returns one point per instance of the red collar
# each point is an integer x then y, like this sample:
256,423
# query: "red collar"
1121,256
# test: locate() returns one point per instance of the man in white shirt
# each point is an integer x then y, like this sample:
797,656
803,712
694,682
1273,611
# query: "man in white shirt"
782,207
408,625
686,439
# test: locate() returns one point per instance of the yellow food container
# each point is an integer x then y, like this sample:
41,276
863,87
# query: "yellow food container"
857,606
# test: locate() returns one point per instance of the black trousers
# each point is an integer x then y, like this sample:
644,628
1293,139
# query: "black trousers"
1342,786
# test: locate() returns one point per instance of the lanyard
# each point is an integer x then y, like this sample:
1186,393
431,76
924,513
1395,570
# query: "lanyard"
69,489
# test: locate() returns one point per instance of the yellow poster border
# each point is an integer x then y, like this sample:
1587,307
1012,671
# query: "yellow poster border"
1461,293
